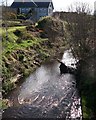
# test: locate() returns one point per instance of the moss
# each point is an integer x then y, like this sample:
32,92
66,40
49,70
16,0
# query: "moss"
87,88
17,60
26,72
3,104
43,55
85,110
7,86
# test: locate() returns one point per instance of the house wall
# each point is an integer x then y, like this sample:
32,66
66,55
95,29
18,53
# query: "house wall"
41,12
50,10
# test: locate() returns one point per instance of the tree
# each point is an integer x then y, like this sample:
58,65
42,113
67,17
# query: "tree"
80,7
83,42
8,13
80,29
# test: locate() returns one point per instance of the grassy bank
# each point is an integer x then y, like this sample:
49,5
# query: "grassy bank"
24,50
19,59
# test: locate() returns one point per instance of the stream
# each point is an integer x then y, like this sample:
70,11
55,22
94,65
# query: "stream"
47,94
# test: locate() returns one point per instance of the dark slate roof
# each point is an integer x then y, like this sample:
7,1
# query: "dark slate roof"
23,0
25,4
42,4
42,0
22,4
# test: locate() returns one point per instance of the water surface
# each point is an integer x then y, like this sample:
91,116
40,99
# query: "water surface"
47,94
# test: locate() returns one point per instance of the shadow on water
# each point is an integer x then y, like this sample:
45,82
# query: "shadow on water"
46,94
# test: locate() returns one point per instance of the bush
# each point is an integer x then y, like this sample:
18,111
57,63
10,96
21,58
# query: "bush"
8,13
43,21
11,23
21,16
32,28
51,28
27,22
12,16
18,33
27,36
24,36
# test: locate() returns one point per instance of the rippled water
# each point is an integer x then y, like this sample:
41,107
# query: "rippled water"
47,94
68,59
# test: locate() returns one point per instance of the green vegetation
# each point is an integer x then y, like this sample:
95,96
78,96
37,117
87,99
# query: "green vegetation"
43,21
4,104
18,53
87,86
23,51
88,100
21,16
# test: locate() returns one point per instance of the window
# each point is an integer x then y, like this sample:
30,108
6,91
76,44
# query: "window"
25,10
42,9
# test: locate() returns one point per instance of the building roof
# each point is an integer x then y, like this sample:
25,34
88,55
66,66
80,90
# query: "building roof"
42,4
23,0
31,3
22,4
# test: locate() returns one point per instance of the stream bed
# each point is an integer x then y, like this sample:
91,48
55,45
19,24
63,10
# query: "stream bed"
47,94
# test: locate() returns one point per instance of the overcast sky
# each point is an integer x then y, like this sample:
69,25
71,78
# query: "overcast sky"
62,5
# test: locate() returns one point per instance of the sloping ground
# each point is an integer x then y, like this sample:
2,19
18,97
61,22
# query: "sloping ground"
23,52
20,59
87,88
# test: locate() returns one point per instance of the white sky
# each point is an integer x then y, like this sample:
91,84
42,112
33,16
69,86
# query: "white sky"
62,5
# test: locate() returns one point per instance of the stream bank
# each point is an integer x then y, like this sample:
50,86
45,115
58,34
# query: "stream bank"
25,50
46,94
86,84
